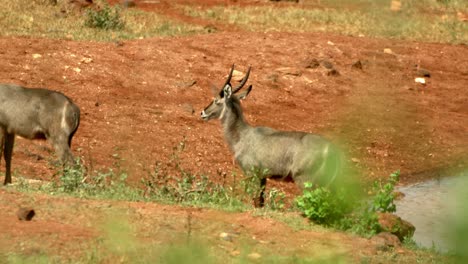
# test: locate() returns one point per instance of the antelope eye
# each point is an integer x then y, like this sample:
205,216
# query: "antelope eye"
216,101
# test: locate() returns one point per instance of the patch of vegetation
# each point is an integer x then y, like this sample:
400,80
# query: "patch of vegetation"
107,18
434,22
176,186
188,188
340,209
31,18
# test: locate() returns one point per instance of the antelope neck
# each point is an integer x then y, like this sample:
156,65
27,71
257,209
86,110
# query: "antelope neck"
233,122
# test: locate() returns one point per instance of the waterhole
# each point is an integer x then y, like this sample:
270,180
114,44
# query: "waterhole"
434,207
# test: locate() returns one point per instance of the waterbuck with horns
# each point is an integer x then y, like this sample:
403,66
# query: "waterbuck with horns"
299,156
36,114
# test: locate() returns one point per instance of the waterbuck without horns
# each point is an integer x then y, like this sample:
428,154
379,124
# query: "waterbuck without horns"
300,156
36,114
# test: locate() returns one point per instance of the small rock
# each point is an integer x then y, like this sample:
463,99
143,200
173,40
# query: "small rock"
395,225
118,43
420,80
25,214
128,3
186,84
385,240
462,17
397,195
288,71
237,75
421,72
388,51
210,28
395,5
357,65
36,56
333,72
86,60
355,160
254,256
235,253
226,236
273,77
327,64
312,64
80,4
188,108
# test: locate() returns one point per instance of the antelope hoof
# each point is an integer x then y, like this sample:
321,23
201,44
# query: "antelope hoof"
259,202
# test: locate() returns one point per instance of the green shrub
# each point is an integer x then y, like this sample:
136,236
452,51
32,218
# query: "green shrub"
72,178
276,199
321,205
342,209
383,200
107,18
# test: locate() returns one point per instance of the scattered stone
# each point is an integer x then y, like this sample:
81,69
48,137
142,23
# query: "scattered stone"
357,65
235,253
210,28
79,5
237,75
188,108
333,72
225,236
128,3
312,64
187,84
295,1
395,5
385,241
397,195
254,256
395,225
462,17
273,77
25,214
289,71
420,80
36,56
355,160
388,51
421,72
327,64
86,60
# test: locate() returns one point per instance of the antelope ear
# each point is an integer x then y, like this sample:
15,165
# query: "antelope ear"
244,94
214,90
227,90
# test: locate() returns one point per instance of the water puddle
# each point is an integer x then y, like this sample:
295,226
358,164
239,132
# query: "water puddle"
432,207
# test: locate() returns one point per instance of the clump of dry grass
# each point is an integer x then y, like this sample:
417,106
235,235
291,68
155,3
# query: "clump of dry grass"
425,20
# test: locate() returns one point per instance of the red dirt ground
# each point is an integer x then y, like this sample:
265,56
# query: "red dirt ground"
141,99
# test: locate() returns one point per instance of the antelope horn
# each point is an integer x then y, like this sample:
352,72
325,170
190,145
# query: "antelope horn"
243,81
229,76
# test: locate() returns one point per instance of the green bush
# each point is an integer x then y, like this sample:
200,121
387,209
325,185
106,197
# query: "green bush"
342,209
321,205
107,18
